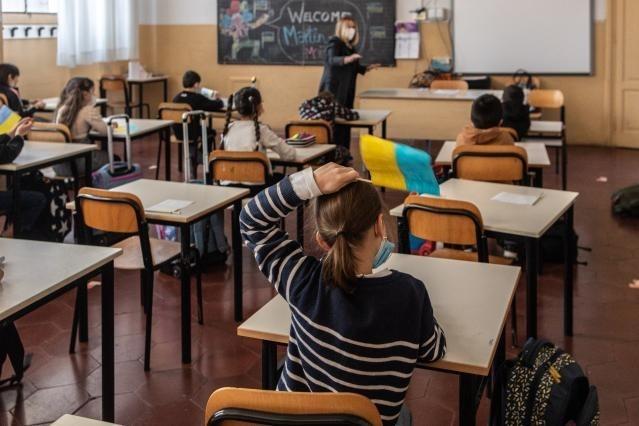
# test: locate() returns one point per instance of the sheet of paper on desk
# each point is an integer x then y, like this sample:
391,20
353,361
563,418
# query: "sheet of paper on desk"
169,206
519,199
121,129
446,92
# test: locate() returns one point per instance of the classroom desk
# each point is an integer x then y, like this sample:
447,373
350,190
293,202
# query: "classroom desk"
141,82
51,104
424,113
553,135
207,200
470,301
71,420
141,128
537,157
515,222
368,119
304,156
38,155
65,266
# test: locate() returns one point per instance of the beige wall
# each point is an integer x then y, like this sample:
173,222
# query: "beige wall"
172,49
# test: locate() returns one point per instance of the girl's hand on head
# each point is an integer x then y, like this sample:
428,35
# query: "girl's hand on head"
332,177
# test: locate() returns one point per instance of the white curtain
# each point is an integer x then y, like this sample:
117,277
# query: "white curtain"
91,31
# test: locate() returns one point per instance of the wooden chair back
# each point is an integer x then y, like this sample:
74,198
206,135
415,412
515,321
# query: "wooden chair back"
546,98
49,132
491,163
3,99
114,87
173,111
250,167
321,129
110,211
444,220
449,85
229,406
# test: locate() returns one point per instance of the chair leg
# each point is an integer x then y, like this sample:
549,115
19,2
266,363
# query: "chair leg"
75,323
157,163
143,289
200,309
149,319
557,160
148,110
180,159
513,321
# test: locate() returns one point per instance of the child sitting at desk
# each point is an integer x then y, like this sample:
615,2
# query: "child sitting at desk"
77,111
516,112
9,79
486,116
248,133
354,330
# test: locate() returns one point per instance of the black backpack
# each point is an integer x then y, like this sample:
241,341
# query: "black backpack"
54,222
625,202
543,386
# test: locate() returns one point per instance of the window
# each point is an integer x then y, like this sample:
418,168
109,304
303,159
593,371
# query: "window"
29,6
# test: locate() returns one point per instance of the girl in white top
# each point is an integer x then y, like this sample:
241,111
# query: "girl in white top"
247,133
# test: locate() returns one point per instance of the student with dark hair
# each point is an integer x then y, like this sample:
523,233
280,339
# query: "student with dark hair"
9,79
358,326
198,99
516,112
248,133
486,117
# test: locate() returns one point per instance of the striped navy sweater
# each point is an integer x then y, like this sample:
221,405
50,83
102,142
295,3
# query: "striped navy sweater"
367,342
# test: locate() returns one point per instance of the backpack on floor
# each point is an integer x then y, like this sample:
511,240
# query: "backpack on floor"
54,222
552,243
625,202
117,173
543,386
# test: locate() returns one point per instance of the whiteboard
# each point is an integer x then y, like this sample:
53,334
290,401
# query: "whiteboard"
540,36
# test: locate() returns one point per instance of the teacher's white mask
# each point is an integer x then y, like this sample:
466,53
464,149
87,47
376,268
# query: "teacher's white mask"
351,33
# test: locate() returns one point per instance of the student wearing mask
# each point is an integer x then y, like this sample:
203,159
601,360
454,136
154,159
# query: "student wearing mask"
341,67
9,79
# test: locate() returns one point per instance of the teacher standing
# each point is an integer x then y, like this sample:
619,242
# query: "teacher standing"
341,66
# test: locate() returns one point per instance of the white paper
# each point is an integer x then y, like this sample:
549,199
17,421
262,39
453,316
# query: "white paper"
519,199
169,206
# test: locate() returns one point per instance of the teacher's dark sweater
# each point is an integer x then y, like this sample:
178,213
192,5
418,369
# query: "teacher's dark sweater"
367,342
340,78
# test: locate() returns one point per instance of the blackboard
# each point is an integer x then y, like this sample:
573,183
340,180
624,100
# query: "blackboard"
295,32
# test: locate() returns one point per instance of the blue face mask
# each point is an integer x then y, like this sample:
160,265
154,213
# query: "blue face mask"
384,252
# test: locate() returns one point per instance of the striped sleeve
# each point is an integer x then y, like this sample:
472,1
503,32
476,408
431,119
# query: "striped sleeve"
279,258
433,340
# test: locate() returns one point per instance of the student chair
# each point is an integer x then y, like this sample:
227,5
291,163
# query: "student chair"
545,99
123,213
321,129
49,132
251,168
491,163
253,406
171,111
454,223
449,85
115,86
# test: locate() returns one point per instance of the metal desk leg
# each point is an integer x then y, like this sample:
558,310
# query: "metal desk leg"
167,154
568,272
531,287
165,84
238,286
108,343
141,99
402,236
17,216
384,129
564,165
185,236
269,365
88,170
468,386
83,304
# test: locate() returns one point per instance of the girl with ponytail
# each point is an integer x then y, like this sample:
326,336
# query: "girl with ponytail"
248,133
356,325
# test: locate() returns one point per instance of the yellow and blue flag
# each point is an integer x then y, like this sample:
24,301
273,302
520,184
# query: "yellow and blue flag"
398,166
8,119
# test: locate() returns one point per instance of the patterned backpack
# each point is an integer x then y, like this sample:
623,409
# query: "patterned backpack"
543,386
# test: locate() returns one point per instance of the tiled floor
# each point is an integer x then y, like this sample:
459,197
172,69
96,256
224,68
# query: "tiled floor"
606,338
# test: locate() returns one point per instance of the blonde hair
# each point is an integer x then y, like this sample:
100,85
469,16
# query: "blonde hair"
340,30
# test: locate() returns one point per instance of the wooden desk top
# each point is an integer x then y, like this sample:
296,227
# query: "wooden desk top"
367,117
428,94
57,265
139,127
304,155
70,420
470,301
151,79
206,198
512,219
35,153
537,154
52,103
